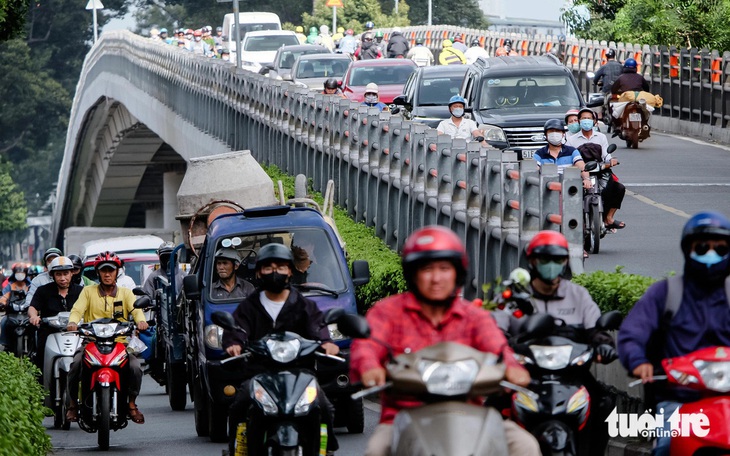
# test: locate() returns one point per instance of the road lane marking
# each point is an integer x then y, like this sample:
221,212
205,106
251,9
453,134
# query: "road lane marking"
697,141
661,206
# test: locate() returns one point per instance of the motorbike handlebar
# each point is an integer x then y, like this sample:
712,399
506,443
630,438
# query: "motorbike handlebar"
233,358
639,381
372,390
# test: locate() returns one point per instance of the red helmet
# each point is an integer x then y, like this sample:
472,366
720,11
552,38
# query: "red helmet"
434,243
548,243
107,258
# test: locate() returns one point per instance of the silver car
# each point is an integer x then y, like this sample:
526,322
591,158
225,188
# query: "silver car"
312,70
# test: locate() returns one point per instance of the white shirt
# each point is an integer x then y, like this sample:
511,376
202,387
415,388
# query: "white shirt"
596,138
474,52
125,281
272,307
463,131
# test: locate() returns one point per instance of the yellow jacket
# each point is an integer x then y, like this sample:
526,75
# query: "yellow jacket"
91,305
451,56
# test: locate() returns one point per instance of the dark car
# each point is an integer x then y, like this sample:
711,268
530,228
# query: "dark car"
389,74
427,92
511,98
285,57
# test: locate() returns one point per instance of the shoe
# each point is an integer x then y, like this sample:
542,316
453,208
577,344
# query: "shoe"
72,414
585,254
617,224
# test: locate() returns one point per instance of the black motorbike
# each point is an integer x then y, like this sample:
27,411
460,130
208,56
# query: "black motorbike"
20,336
558,358
593,212
285,417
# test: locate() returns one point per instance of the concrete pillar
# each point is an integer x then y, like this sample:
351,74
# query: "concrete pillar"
154,218
170,185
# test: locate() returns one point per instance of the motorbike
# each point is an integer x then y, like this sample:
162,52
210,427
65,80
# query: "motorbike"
59,353
558,357
20,336
707,371
285,418
103,401
444,377
632,125
593,227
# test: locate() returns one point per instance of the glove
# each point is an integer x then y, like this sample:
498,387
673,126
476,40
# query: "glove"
607,353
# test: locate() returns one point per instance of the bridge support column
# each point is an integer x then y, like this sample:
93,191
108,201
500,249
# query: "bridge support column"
154,218
170,185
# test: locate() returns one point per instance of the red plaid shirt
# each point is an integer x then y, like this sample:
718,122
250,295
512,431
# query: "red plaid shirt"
399,321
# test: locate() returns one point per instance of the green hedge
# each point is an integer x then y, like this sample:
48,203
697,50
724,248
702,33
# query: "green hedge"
21,408
615,290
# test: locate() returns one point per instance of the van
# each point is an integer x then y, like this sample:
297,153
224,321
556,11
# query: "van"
247,22
259,48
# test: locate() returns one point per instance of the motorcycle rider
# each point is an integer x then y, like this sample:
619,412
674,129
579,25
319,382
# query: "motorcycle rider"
369,26
324,38
299,30
348,43
475,51
505,49
368,50
17,282
458,43
606,76
456,126
276,306
398,45
94,303
702,318
332,88
554,293
630,80
372,99
43,278
78,277
434,266
164,251
450,55
420,54
229,285
51,299
558,153
572,122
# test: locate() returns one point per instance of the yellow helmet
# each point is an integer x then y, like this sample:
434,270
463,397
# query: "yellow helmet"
299,29
447,43
340,29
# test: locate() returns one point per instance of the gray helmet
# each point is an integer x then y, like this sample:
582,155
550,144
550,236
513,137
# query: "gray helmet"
165,248
272,252
52,252
554,124
61,263
228,254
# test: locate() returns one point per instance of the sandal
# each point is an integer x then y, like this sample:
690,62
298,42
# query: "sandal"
72,413
617,224
135,415
585,254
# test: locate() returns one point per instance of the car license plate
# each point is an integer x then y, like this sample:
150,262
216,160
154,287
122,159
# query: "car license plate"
528,154
634,117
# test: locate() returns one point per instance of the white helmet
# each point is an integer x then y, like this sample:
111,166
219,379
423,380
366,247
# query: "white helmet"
324,29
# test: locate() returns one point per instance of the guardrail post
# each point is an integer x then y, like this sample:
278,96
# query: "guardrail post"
415,204
530,204
399,190
383,181
475,216
572,218
510,213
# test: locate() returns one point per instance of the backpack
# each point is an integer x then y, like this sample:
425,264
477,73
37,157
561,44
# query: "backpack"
675,290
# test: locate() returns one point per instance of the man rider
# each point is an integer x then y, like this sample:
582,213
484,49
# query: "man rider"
434,266
368,49
420,54
457,126
505,49
51,299
606,76
398,45
229,285
700,317
106,300
475,52
558,153
276,306
348,43
77,277
630,80
554,293
43,278
164,252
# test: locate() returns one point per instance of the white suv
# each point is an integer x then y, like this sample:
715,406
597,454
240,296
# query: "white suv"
259,48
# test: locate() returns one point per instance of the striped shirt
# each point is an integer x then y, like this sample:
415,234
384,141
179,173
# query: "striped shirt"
568,156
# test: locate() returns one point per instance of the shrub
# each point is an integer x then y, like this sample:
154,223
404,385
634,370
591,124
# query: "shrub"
615,290
21,408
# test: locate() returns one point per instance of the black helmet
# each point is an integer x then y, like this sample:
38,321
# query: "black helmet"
77,261
554,124
507,42
272,252
704,225
330,83
165,248
611,53
475,42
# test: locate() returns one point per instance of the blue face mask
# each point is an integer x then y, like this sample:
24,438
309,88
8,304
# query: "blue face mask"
586,124
550,271
574,127
709,259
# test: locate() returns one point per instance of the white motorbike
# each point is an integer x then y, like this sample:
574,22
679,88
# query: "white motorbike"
58,355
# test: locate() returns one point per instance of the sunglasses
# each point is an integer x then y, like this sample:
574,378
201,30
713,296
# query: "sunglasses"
704,247
509,101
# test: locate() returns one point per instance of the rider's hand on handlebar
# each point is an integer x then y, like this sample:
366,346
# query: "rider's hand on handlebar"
234,350
330,348
587,184
606,353
614,162
35,321
142,325
645,372
517,375
72,326
373,377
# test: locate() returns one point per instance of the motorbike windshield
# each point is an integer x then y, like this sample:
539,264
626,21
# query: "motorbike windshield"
317,266
534,91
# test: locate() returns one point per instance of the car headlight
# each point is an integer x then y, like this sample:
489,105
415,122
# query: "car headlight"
582,359
551,357
214,336
283,351
524,401
448,379
715,375
306,399
578,401
493,133
264,399
104,329
335,333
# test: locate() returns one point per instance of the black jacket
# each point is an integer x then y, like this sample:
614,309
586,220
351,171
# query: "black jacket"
397,45
629,82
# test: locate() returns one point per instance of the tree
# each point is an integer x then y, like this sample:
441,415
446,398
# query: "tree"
464,13
12,18
13,211
354,14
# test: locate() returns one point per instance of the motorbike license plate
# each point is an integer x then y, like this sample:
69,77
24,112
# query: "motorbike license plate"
634,117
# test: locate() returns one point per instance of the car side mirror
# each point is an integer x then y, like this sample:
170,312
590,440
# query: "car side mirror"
610,321
468,109
360,272
339,84
190,286
400,100
287,77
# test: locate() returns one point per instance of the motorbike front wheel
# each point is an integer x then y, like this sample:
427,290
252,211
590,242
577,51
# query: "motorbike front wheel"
593,227
65,402
103,406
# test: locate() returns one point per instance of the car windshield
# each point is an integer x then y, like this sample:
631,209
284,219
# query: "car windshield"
528,91
287,58
137,270
438,90
316,261
321,68
269,43
381,75
245,28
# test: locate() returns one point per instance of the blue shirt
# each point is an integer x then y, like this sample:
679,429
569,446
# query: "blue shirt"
568,156
380,105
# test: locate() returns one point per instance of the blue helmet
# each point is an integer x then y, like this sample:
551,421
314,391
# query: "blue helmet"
705,224
369,25
163,30
630,63
457,99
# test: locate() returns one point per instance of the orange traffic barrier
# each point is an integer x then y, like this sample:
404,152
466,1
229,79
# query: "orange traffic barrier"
673,66
637,57
446,35
574,53
716,70
482,40
524,48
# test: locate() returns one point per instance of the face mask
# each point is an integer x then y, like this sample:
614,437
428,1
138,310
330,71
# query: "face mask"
710,258
371,99
197,38
20,276
458,112
574,127
550,270
555,138
226,58
586,124
274,282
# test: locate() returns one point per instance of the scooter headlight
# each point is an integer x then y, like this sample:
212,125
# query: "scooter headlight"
522,359
264,399
448,379
283,351
578,401
582,359
715,375
306,399
104,329
551,357
335,333
58,322
214,336
526,402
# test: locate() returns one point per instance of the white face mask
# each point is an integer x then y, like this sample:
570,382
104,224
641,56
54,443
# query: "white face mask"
371,99
457,112
20,276
555,138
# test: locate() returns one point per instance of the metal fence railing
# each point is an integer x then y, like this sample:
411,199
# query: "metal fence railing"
392,174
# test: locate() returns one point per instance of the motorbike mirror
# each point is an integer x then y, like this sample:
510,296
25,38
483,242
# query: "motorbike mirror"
539,325
138,291
142,302
224,320
611,148
591,166
590,75
595,102
352,325
332,315
610,320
